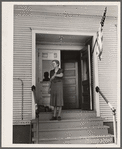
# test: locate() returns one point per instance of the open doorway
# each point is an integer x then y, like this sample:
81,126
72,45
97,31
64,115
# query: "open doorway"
77,86
70,62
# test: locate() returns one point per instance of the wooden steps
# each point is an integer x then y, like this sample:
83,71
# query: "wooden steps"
76,127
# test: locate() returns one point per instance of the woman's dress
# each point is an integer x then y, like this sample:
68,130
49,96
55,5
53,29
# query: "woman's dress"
56,89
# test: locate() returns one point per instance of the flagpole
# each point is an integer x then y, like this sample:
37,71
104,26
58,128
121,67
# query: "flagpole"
99,39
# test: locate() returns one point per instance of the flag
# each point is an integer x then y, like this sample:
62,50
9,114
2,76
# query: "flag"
100,35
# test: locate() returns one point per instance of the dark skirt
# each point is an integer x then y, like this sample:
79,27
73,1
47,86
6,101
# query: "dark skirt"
56,94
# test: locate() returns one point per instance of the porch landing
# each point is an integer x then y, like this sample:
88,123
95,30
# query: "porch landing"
68,114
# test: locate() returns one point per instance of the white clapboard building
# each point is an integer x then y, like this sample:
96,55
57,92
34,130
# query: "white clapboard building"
67,33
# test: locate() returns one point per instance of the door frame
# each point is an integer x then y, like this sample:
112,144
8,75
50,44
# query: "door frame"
88,66
95,62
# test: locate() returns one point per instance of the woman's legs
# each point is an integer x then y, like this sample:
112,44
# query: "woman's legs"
54,114
55,111
59,112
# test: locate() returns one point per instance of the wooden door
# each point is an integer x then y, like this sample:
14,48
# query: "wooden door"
86,79
70,85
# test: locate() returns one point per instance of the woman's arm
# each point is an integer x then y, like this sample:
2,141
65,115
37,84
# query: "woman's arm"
59,75
53,77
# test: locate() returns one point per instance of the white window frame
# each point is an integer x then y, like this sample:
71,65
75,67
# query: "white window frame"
95,63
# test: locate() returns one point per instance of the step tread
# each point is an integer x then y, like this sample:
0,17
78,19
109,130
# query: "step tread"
78,128
74,138
69,120
70,111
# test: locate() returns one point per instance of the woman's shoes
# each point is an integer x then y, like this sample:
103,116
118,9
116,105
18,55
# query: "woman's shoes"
59,118
53,118
56,118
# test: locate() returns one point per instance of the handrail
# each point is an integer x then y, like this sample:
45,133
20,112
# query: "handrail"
113,111
33,88
22,95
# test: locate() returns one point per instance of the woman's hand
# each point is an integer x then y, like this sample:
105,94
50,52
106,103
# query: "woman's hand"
59,75
53,77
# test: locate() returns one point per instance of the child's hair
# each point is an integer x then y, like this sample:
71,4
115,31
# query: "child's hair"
46,74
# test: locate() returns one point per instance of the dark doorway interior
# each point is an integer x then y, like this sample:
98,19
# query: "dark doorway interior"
71,64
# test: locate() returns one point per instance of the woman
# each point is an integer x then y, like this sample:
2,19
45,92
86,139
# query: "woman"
56,87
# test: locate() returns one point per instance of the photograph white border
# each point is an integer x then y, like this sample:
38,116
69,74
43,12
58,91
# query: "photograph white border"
7,72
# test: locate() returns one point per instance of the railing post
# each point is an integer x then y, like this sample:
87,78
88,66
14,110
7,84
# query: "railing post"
37,130
114,126
30,131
